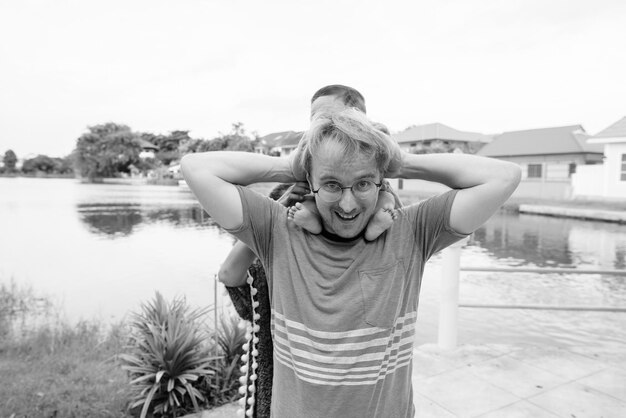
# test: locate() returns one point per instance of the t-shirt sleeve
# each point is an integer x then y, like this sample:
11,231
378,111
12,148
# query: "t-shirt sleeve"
432,223
258,214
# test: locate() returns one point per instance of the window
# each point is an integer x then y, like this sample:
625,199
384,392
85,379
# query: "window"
572,169
623,171
534,171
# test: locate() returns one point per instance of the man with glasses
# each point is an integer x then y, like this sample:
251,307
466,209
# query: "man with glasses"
344,309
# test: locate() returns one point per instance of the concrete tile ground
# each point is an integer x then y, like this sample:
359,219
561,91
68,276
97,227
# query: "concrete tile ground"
506,381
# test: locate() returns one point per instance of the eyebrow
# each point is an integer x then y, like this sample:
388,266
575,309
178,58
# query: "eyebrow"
365,176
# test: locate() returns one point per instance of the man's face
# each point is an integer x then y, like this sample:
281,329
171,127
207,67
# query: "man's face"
348,216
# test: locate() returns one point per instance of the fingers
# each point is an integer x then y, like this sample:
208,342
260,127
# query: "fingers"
299,190
296,197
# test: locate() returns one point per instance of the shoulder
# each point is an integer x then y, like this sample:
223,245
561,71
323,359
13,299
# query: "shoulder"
435,205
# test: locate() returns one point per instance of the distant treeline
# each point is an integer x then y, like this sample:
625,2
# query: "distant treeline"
114,150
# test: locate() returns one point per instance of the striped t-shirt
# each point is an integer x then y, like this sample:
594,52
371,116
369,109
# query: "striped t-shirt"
344,313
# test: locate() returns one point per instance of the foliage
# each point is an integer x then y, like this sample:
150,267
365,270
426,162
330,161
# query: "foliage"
17,305
168,361
236,140
61,370
48,165
168,145
440,146
230,337
9,160
223,387
106,150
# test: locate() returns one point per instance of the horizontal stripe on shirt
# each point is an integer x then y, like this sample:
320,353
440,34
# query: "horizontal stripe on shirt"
358,357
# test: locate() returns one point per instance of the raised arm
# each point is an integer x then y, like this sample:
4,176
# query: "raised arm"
484,183
212,177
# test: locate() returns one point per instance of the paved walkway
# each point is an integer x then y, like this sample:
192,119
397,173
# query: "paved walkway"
506,381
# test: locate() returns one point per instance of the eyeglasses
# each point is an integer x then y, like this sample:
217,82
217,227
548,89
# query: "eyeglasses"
331,192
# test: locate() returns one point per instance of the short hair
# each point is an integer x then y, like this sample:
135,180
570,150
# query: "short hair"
278,190
353,131
349,96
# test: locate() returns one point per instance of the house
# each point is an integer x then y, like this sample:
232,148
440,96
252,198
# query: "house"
608,179
278,143
147,149
548,158
437,136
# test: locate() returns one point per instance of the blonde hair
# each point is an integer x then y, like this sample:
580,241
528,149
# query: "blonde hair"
355,134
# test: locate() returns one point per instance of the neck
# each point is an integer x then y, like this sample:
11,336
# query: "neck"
337,238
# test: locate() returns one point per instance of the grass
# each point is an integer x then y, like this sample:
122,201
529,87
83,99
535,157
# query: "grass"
60,370
64,371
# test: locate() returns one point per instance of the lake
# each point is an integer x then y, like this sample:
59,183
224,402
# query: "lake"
100,250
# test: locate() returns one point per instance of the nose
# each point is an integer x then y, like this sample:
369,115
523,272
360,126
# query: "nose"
348,202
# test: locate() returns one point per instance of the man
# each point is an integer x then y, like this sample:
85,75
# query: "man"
343,308
241,260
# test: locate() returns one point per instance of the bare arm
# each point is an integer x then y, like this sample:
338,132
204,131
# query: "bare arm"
212,177
233,270
484,183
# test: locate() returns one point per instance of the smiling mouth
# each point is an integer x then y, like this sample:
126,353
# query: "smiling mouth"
346,217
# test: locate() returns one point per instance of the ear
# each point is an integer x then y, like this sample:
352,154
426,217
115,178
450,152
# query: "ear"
308,180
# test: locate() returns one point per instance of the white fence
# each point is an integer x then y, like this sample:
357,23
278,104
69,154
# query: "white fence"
449,298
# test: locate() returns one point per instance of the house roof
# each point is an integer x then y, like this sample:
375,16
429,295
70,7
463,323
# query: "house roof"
559,140
283,139
290,140
617,130
437,131
147,145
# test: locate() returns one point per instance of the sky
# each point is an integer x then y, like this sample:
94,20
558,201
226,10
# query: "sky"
158,65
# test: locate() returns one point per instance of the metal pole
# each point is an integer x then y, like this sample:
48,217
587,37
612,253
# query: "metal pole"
449,302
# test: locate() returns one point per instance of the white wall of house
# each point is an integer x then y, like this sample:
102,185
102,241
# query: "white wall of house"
615,186
603,180
146,154
588,180
545,189
427,188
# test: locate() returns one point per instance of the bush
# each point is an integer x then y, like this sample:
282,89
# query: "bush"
223,387
169,359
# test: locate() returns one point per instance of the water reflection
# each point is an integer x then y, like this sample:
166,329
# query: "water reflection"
121,219
552,242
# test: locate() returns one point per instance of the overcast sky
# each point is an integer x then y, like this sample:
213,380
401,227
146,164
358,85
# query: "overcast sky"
200,65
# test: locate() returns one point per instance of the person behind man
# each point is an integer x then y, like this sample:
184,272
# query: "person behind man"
344,309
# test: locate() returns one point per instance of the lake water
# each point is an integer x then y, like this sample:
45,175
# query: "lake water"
99,251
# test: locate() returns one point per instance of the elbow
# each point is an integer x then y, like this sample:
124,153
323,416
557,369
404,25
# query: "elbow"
511,175
186,164
515,174
224,275
227,277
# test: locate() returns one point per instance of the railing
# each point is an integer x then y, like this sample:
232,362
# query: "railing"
449,302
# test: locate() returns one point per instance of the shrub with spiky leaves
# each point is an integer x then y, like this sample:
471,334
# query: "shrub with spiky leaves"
168,358
223,386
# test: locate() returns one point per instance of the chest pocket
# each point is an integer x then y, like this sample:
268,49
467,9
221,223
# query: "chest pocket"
382,291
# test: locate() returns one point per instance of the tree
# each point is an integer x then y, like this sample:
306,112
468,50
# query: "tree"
40,163
106,151
9,160
235,140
